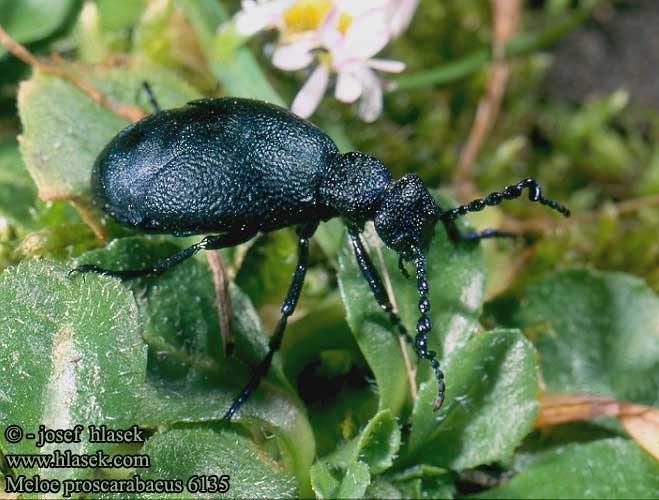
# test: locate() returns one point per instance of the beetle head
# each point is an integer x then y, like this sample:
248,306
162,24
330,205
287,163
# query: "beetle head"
406,217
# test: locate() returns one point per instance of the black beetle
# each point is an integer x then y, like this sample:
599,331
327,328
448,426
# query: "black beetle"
239,166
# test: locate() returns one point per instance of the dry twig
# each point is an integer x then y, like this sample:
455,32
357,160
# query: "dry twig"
641,422
506,16
409,367
83,209
127,111
222,301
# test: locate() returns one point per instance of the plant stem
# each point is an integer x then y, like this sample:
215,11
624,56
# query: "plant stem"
127,111
519,46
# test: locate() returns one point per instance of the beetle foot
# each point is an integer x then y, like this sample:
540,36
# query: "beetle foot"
91,268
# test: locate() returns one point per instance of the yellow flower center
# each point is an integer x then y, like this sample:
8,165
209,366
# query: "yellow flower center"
306,15
344,22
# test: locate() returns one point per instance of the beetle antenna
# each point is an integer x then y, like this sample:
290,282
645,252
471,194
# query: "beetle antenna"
152,98
424,326
509,193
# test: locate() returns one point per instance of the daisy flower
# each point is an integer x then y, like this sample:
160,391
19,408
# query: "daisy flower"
341,37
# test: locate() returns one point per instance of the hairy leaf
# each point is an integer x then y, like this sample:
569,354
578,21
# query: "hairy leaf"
597,332
489,406
183,453
350,481
609,468
376,445
71,354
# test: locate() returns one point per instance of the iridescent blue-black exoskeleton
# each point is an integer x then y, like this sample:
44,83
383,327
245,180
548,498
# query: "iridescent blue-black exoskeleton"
236,167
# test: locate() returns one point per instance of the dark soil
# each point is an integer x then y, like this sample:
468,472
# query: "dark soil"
618,49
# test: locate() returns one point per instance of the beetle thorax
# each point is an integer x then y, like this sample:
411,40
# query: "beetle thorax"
354,187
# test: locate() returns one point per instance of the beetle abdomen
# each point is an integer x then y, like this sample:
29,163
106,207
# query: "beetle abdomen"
214,165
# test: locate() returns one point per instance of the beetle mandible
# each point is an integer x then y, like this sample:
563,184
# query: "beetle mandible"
237,167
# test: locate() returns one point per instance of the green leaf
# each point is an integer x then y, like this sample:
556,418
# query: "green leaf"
489,407
374,334
190,380
423,481
58,241
270,408
238,72
379,488
17,191
456,280
178,316
29,21
319,348
376,446
183,453
70,353
609,468
340,482
17,201
241,75
597,332
267,269
64,130
379,442
547,440
330,237
180,320
310,332
118,15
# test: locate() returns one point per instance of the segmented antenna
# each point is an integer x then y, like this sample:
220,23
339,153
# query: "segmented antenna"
424,326
509,193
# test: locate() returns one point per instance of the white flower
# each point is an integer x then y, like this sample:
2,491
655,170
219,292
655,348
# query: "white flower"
309,96
342,36
257,15
357,8
351,58
295,55
400,15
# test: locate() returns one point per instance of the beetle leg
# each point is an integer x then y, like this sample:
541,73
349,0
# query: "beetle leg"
261,370
371,275
159,267
151,96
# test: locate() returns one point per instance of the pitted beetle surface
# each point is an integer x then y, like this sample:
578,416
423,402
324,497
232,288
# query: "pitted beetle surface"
237,167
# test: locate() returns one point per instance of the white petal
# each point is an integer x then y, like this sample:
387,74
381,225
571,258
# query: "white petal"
309,96
386,65
328,33
257,16
293,56
400,15
370,105
355,8
348,87
251,21
367,34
